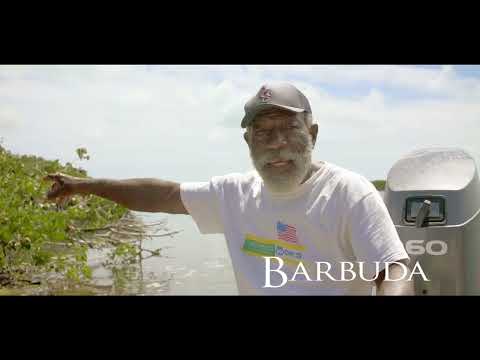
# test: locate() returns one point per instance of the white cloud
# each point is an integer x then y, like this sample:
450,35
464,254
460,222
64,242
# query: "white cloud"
9,118
443,81
183,121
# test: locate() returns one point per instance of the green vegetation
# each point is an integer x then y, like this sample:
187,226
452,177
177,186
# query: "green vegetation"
379,184
42,237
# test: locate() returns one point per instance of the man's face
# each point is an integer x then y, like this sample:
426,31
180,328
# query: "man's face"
281,148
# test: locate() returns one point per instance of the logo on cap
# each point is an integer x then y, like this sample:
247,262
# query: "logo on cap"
265,94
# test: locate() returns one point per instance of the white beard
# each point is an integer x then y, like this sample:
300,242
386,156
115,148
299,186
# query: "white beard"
284,183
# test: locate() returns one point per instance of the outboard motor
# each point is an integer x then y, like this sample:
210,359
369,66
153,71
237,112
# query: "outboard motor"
433,196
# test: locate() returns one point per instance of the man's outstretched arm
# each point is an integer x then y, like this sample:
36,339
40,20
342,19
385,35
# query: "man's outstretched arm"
148,194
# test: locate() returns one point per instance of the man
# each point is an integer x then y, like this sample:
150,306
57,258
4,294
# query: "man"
285,220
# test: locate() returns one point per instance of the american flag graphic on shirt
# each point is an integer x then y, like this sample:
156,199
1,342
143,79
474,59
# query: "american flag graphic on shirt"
286,232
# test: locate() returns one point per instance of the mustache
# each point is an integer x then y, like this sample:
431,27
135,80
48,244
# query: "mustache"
285,155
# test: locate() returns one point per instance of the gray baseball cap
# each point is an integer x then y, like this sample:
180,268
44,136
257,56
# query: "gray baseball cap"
282,95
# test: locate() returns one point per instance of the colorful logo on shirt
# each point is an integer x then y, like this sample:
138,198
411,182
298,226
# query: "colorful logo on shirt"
287,232
258,246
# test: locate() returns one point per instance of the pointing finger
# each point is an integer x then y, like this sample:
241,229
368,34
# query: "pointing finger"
54,177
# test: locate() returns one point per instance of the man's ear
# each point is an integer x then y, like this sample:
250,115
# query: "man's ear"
313,132
245,137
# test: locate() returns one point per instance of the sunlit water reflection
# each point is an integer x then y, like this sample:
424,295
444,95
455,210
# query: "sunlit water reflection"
190,264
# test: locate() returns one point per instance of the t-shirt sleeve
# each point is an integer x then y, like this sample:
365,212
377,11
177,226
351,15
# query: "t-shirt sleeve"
373,235
202,202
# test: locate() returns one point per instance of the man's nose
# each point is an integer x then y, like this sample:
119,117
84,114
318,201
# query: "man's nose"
278,140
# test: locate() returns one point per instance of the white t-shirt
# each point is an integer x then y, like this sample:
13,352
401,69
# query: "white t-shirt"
336,216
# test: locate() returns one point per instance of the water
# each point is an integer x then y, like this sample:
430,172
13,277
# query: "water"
191,264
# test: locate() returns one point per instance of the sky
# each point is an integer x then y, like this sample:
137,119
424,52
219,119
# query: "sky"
182,122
